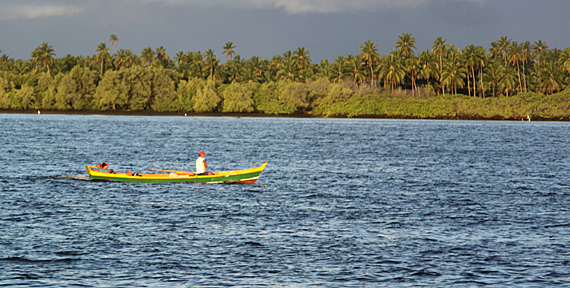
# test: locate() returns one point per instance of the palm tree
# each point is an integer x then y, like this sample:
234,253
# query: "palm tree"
22,67
473,58
325,69
273,66
35,58
197,64
391,70
565,60
256,65
47,55
4,60
453,54
132,59
102,55
495,50
147,56
43,54
355,67
211,62
525,56
339,69
439,49
550,78
470,61
538,48
453,75
482,63
405,45
229,50
413,68
507,79
179,57
302,58
113,39
429,66
125,57
503,46
514,57
161,56
288,55
492,77
235,70
370,54
288,69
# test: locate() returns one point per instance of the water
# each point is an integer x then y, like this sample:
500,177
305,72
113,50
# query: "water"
342,203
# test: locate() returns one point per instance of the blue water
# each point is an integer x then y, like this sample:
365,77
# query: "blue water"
342,203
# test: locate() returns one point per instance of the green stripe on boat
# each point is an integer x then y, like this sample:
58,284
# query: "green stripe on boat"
234,176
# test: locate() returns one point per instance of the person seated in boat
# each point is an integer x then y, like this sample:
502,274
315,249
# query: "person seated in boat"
201,165
104,167
129,173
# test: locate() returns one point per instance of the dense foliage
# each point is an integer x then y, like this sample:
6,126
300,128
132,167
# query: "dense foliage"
508,80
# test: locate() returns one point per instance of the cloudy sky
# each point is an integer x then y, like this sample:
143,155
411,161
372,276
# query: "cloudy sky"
327,28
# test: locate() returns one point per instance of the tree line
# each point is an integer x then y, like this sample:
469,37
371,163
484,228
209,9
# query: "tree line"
291,83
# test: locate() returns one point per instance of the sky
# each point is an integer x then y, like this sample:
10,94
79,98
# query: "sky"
264,28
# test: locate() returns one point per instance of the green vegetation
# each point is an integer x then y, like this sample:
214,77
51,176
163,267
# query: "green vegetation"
507,81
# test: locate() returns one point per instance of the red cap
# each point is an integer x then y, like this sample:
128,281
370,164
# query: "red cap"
201,153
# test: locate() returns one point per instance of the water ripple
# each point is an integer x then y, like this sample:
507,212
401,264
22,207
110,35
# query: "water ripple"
343,203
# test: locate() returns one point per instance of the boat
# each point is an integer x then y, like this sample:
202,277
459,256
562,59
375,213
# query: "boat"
173,176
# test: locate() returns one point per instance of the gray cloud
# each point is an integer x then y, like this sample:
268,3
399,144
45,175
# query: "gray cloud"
67,8
328,28
38,11
312,6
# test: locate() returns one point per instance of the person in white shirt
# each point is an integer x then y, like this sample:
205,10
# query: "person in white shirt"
201,164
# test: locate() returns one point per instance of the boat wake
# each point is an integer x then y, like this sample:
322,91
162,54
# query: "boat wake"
73,177
67,177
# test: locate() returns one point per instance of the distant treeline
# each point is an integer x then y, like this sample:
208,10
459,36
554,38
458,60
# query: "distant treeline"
508,80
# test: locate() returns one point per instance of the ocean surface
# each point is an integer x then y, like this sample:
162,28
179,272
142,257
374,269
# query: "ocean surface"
342,203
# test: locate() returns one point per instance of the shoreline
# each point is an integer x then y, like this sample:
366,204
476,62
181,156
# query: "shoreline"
262,115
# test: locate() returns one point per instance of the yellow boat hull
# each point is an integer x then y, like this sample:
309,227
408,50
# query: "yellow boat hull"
234,176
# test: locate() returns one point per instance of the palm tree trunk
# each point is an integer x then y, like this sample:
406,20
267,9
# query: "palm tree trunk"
524,78
441,70
414,82
481,78
474,82
413,86
469,85
371,75
519,73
